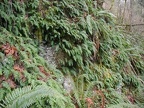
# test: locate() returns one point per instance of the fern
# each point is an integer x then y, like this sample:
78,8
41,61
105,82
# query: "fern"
12,77
25,97
124,105
92,47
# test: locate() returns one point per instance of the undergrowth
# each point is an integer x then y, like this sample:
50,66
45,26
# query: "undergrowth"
22,67
106,70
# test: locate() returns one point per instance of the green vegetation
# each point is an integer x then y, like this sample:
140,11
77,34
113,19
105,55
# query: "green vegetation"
106,70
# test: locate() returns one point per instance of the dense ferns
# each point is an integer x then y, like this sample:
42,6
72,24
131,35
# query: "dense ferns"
105,70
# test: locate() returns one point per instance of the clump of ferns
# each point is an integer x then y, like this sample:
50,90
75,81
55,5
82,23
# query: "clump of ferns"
100,82
79,33
36,96
46,24
111,83
34,70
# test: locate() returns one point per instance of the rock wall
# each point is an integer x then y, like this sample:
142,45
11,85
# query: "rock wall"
51,57
48,53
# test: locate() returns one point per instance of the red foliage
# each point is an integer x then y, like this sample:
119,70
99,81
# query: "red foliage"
20,69
10,50
42,70
101,94
89,102
131,99
9,80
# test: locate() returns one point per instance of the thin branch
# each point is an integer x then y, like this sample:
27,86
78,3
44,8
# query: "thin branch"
130,25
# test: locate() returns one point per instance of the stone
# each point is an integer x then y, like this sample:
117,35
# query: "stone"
48,53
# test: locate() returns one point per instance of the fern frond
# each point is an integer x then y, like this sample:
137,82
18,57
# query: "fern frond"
124,105
25,97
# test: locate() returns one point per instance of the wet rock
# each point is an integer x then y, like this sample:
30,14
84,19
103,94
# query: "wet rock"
48,53
68,84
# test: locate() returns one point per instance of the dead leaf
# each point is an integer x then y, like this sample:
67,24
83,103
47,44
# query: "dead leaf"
2,77
41,68
11,83
5,46
131,99
9,80
100,93
18,68
89,102
10,50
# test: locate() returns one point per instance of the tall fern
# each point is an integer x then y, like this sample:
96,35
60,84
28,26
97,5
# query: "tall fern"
29,96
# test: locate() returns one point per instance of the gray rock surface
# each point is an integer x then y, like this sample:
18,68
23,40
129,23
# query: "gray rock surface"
68,84
48,53
50,56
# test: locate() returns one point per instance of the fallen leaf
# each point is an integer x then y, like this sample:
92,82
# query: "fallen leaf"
18,68
9,80
10,50
41,68
89,102
11,83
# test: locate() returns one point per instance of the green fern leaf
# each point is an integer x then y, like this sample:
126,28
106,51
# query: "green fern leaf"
25,97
